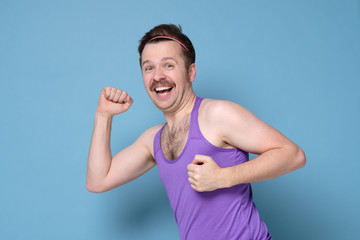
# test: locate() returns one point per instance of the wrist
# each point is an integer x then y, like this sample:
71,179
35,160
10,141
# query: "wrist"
225,177
228,176
102,119
103,115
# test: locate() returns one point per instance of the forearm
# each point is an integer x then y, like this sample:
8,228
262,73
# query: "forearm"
99,159
270,164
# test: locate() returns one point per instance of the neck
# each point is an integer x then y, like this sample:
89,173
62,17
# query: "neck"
180,114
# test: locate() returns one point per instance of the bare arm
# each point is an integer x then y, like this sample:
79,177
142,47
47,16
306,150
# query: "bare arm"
105,172
240,128
278,155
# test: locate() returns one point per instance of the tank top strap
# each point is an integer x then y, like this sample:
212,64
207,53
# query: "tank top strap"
194,130
157,140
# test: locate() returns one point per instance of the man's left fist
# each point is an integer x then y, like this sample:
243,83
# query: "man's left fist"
204,174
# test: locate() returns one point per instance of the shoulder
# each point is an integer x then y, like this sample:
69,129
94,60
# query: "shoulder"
218,119
153,130
149,134
147,137
222,110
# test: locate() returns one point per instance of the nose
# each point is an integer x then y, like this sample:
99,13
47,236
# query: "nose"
158,74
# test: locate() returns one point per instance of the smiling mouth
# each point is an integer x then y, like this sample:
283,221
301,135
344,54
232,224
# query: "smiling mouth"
162,90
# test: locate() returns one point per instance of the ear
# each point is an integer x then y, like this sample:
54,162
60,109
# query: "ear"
192,72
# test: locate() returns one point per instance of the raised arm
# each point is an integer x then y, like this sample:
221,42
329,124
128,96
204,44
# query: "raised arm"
105,172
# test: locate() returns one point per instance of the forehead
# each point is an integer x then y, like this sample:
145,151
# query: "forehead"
159,50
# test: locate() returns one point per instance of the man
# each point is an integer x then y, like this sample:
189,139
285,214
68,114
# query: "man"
201,151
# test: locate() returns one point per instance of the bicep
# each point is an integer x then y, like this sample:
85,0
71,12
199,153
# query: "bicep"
242,129
129,164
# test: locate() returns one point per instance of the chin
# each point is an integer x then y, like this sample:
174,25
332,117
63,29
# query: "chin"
164,106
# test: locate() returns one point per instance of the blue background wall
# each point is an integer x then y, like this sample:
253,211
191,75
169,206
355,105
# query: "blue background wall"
295,64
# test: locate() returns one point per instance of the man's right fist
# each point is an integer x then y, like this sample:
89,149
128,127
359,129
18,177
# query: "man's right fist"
113,101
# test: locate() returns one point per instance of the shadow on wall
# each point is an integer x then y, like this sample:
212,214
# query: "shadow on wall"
288,212
143,211
142,204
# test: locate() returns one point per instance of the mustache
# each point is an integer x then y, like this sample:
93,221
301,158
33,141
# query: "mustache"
161,83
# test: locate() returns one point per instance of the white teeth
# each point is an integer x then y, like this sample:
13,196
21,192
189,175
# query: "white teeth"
162,88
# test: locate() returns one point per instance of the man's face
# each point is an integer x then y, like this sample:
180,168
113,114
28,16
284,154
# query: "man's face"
166,79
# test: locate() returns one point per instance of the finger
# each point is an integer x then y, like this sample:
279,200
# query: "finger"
192,181
128,102
198,161
123,97
191,174
112,94
106,91
191,167
201,159
117,95
196,188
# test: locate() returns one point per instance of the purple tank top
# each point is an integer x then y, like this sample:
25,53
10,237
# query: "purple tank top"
223,214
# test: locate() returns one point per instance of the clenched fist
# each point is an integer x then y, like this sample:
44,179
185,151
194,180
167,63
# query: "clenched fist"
205,175
113,101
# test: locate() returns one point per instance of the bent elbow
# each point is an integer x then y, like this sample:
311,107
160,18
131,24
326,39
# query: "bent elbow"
300,158
94,189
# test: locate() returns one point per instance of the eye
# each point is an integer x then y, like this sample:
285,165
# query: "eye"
169,65
148,68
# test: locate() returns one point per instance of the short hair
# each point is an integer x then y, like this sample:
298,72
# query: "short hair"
173,31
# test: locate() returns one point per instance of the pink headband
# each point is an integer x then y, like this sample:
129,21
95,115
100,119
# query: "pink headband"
170,39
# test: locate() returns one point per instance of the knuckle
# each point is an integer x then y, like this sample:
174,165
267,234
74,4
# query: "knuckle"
122,95
106,90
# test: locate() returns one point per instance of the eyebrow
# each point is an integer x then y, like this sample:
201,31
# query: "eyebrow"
163,59
169,58
144,62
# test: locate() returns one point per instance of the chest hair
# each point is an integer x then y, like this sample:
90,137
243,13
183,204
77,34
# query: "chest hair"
173,139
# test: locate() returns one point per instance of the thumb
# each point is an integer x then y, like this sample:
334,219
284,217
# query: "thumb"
128,102
200,159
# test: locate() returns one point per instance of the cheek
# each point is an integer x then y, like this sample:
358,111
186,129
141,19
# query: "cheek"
146,80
